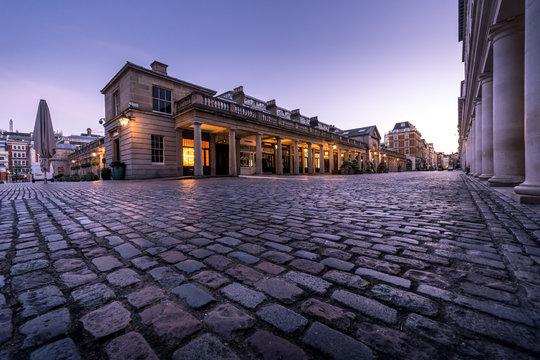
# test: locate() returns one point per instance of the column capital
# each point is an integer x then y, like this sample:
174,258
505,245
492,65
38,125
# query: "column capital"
485,77
506,27
197,122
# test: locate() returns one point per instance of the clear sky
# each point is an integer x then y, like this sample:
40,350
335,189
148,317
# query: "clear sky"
351,63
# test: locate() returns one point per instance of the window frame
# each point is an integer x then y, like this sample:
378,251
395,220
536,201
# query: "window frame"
159,99
116,103
158,149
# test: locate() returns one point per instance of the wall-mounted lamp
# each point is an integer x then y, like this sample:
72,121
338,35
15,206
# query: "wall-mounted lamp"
125,119
94,154
334,147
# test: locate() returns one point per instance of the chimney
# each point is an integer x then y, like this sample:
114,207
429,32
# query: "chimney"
295,115
159,67
238,95
88,132
271,107
314,121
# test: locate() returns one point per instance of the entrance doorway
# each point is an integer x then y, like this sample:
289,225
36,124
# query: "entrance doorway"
222,159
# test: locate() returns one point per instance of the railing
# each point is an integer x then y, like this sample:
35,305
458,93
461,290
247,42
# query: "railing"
260,116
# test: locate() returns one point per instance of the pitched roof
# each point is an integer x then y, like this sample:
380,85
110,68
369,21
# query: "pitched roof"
360,131
403,125
154,73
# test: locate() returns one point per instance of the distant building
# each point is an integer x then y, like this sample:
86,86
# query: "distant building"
19,161
404,138
4,160
87,158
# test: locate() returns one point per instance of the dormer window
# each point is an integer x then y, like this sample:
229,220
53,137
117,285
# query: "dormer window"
161,100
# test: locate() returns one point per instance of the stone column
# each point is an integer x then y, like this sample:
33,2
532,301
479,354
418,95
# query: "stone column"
531,185
472,139
338,165
296,158
212,155
487,126
180,151
508,100
321,168
310,158
198,153
258,161
232,152
478,136
279,157
331,160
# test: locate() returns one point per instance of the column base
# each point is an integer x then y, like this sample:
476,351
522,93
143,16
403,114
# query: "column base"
526,199
505,180
528,189
485,176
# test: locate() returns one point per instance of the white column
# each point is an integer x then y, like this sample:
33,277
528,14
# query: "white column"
197,144
310,158
478,136
472,137
279,157
296,158
487,126
180,151
321,156
258,162
331,159
531,185
508,100
338,165
232,152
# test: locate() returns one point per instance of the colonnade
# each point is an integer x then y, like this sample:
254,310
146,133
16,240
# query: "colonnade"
298,163
503,142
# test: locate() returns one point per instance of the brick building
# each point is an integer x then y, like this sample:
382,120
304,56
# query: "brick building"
404,138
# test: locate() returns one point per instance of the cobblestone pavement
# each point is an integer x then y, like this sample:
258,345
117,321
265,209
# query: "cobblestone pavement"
408,265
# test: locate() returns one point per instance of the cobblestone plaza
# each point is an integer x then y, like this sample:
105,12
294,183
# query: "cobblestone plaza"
401,265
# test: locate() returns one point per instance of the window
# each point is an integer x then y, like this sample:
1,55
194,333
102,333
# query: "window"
116,103
395,137
407,143
406,136
407,151
189,152
157,149
161,100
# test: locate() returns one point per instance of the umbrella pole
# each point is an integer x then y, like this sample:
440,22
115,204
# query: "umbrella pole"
45,177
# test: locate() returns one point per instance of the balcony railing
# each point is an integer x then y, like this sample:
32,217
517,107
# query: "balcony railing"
264,118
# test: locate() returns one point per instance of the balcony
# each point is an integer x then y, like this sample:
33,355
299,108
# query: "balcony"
223,107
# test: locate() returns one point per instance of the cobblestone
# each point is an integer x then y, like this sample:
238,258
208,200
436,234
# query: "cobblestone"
130,346
106,320
284,319
414,265
228,321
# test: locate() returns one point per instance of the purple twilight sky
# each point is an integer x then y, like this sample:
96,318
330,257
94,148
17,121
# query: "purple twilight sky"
351,63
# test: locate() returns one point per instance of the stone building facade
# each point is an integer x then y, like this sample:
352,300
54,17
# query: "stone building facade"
499,106
160,126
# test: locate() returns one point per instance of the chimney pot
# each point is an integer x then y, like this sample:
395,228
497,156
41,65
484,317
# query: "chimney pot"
238,95
89,132
295,114
271,106
159,67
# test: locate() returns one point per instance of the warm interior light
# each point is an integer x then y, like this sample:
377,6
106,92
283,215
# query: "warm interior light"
94,154
326,153
73,161
305,150
189,157
124,121
334,147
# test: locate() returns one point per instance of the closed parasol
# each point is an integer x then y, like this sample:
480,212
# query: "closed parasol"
44,141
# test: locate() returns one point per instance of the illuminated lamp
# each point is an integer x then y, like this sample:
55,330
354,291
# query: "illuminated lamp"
125,119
